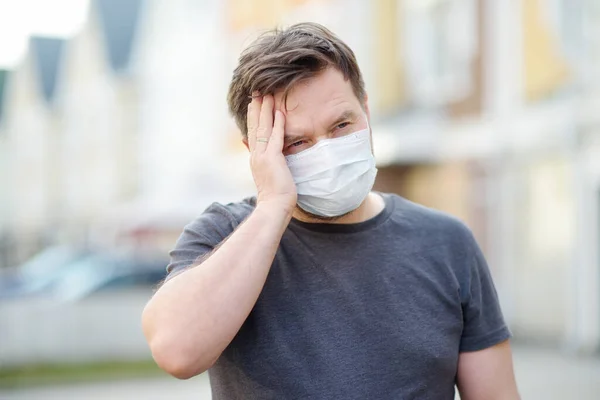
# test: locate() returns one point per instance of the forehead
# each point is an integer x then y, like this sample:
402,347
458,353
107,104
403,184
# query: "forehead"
318,98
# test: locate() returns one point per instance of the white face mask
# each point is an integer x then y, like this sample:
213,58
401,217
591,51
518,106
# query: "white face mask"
334,176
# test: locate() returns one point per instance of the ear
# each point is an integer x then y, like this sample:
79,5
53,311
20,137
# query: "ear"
245,141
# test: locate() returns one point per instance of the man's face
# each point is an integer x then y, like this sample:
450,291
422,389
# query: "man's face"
319,108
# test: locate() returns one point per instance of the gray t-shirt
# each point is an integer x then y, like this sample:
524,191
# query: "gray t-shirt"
375,310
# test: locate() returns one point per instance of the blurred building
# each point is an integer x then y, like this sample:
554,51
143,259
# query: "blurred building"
4,207
31,129
183,64
99,110
481,108
489,129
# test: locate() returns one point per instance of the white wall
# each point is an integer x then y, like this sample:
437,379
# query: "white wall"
183,86
90,135
27,126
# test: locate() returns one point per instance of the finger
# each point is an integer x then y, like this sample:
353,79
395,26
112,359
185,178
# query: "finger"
252,119
265,124
277,136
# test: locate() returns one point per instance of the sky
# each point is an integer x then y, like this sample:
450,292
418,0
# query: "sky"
21,18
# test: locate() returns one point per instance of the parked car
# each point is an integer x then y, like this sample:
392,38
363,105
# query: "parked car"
70,275
37,273
101,272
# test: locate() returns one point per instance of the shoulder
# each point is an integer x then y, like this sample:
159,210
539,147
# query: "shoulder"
442,239
430,225
223,218
426,218
235,212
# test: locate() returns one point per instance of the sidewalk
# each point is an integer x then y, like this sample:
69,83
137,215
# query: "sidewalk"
541,374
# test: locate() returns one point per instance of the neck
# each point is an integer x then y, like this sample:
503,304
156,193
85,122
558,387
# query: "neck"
369,208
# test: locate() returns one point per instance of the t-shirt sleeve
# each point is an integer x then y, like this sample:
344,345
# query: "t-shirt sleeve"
483,322
200,238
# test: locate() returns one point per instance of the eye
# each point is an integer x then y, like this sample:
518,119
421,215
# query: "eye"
342,125
295,147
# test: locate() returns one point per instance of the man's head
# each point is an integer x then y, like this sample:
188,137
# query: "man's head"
278,61
316,83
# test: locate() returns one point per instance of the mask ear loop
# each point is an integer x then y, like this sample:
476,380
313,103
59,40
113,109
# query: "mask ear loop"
370,135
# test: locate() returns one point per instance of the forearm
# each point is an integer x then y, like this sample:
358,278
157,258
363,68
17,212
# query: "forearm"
195,315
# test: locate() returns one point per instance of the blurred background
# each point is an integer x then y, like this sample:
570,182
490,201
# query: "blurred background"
114,133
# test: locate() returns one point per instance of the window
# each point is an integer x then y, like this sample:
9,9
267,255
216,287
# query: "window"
552,44
442,40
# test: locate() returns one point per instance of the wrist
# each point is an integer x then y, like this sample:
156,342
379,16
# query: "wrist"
275,209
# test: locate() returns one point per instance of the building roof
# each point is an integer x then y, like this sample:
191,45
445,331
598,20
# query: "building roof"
3,79
119,20
47,55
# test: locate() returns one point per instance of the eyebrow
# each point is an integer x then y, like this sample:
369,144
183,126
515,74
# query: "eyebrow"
344,116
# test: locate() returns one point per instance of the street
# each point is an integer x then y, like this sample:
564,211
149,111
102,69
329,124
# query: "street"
541,374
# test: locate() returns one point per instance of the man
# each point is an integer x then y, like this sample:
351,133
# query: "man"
318,288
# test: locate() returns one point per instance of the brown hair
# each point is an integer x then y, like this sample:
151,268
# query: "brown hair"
279,59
